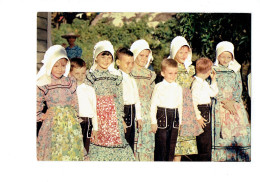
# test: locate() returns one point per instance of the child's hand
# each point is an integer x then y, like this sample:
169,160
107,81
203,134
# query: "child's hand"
154,128
94,135
201,121
229,105
124,124
213,75
140,125
44,116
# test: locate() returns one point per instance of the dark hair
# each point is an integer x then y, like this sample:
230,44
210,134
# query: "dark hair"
167,62
105,53
123,51
77,63
203,65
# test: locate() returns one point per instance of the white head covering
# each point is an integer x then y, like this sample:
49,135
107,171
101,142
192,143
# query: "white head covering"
176,44
138,46
102,46
226,46
51,56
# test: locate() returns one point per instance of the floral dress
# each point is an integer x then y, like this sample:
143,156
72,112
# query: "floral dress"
186,145
60,137
110,143
145,139
230,133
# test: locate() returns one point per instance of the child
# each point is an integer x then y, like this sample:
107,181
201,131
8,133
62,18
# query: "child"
145,82
201,94
110,143
132,107
186,141
86,99
166,109
230,129
73,51
60,136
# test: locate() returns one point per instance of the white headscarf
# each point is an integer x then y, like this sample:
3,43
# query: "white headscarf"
226,46
102,46
138,46
51,56
176,44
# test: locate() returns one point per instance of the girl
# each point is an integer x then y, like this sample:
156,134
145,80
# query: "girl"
60,136
145,82
186,141
110,143
230,129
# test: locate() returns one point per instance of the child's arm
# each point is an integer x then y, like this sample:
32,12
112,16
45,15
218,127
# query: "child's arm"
180,107
94,107
40,99
154,109
238,90
138,107
213,91
195,89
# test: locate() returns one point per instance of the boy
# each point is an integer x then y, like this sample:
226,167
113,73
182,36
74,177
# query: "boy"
201,94
86,99
132,107
166,112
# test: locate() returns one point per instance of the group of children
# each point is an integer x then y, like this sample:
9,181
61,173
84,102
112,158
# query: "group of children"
109,114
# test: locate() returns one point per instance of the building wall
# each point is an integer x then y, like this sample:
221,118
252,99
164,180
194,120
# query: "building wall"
43,35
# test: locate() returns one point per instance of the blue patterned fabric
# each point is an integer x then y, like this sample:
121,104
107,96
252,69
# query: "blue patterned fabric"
74,52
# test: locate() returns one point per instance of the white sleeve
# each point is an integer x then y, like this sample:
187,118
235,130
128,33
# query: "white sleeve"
213,89
180,107
94,107
137,104
195,97
154,103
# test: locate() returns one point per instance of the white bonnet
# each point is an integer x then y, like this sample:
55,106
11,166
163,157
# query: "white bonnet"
51,56
226,46
138,46
176,44
102,46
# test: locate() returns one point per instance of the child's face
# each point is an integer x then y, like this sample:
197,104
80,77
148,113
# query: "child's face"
170,74
142,58
59,68
79,74
224,58
126,63
103,61
182,54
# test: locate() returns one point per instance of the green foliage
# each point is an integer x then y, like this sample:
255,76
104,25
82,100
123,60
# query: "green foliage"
202,30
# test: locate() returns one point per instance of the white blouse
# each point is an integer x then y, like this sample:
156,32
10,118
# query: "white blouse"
87,103
130,93
166,95
202,92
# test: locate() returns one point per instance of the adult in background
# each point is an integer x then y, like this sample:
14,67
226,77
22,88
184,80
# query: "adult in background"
73,51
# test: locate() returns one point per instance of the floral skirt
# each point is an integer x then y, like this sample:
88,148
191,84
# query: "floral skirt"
103,153
230,141
60,137
145,139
